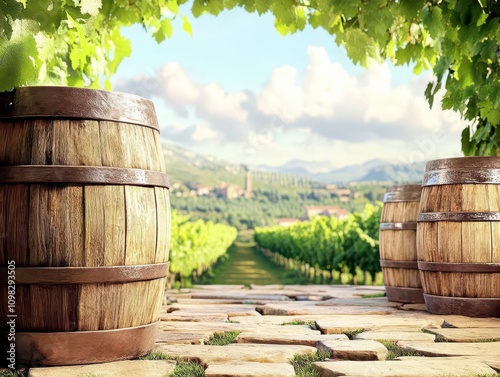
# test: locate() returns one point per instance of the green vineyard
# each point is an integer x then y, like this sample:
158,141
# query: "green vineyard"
339,247
196,245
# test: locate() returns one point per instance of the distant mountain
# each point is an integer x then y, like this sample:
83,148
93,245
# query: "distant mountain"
399,173
190,167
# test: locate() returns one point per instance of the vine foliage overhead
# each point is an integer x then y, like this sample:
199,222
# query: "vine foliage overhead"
80,43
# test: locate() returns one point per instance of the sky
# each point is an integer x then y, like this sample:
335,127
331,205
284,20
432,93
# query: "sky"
238,90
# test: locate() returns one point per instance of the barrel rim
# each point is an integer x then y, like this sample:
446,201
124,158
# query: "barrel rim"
405,188
403,193
77,103
467,162
460,176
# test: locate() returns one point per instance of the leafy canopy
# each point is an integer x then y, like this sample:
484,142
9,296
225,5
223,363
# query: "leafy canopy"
79,43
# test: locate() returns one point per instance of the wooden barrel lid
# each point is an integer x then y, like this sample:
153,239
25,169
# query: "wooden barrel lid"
462,170
80,103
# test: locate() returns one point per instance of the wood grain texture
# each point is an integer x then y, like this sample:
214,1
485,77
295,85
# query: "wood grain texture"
83,225
460,241
163,225
399,245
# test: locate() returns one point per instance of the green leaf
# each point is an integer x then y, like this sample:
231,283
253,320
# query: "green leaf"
19,63
186,26
432,18
173,6
467,147
360,47
466,73
410,8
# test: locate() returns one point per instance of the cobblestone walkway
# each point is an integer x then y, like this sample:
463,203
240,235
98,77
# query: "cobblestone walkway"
347,325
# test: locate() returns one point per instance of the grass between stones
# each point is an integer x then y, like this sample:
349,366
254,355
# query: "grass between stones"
182,369
352,334
303,363
223,339
373,295
395,351
311,324
10,373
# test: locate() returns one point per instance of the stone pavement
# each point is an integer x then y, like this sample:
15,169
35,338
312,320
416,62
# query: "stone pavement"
274,324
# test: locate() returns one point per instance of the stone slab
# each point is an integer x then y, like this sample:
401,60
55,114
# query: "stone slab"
237,352
252,297
183,337
314,308
128,368
360,350
396,335
229,310
373,301
276,338
485,349
423,367
250,369
464,335
267,286
220,301
191,316
414,307
491,362
468,322
219,287
210,328
339,324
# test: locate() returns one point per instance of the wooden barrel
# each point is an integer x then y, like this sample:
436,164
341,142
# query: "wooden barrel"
85,220
398,249
458,236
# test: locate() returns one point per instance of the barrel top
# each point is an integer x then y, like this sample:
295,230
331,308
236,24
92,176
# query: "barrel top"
402,193
405,188
462,170
475,162
77,103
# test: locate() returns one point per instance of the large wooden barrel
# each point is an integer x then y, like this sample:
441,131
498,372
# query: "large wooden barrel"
85,220
458,236
398,249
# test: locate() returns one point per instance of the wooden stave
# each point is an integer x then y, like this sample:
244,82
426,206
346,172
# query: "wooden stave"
400,275
454,216
38,124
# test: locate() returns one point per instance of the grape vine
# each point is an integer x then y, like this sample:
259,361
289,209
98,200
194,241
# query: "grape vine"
79,43
328,243
196,245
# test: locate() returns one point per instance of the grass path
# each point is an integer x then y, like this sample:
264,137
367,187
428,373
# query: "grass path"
245,264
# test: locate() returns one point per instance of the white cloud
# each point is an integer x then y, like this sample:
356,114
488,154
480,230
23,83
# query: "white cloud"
323,113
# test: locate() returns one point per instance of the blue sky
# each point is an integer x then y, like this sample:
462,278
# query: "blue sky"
240,91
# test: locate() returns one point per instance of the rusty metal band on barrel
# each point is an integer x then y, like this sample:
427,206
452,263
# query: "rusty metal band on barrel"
402,196
458,216
410,265
95,346
410,225
82,174
468,306
87,275
459,267
461,176
77,103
